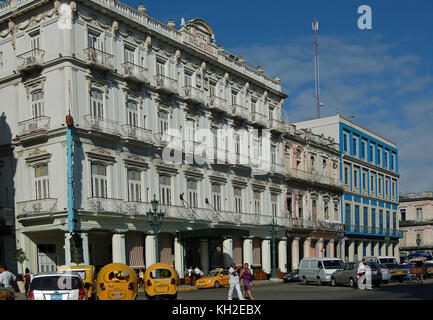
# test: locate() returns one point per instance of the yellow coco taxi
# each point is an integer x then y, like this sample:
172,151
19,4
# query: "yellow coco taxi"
116,281
160,280
214,279
87,274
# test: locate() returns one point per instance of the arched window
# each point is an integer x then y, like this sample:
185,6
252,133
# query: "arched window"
99,180
97,103
37,104
134,185
42,182
299,159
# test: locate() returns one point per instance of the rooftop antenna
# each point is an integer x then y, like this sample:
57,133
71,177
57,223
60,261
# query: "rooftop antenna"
316,53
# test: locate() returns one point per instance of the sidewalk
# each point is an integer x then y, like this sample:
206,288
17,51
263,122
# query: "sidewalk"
254,283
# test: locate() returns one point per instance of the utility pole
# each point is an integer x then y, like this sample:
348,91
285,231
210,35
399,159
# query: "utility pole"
316,53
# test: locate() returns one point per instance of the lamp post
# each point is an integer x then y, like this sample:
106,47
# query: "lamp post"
155,219
274,229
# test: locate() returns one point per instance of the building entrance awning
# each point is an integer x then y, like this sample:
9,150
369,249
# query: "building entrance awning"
213,233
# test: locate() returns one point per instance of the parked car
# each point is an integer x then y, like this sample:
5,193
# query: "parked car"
386,276
318,270
291,276
397,271
160,280
348,275
57,286
213,279
116,281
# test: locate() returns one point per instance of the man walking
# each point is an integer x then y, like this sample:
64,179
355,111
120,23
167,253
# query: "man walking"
7,280
234,282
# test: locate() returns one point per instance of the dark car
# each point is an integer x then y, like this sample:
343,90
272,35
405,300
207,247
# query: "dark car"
292,276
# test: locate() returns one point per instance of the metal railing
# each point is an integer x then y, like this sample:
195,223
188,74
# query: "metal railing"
31,58
137,133
218,104
99,58
102,125
165,83
134,72
374,230
34,125
194,95
163,139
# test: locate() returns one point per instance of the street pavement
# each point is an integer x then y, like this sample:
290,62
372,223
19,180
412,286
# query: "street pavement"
264,290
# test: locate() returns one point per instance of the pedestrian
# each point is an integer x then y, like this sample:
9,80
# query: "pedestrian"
7,279
190,273
361,269
27,280
141,273
197,273
234,282
246,280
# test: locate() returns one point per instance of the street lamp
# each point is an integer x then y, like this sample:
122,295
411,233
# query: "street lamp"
274,229
155,219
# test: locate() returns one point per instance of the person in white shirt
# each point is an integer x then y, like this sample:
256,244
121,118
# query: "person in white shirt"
362,268
190,271
234,282
7,278
197,273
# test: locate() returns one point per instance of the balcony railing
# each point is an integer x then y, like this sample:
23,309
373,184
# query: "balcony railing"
7,216
31,59
34,126
99,58
313,177
194,95
239,111
163,139
259,119
374,230
102,125
33,207
137,133
317,225
166,84
218,104
277,125
134,72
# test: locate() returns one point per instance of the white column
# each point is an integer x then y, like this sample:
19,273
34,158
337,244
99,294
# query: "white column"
86,258
266,256
368,249
351,250
204,255
248,251
360,250
179,263
118,245
228,252
375,248
397,252
295,254
67,249
282,255
319,248
307,245
330,252
150,250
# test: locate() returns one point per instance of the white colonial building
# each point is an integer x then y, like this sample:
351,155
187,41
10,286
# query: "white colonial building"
135,86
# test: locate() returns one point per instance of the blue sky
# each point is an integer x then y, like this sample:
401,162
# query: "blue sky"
383,77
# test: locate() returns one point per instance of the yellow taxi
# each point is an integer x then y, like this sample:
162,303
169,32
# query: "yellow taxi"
214,279
116,281
160,280
87,274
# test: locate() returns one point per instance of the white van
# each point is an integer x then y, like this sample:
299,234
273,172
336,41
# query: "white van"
318,270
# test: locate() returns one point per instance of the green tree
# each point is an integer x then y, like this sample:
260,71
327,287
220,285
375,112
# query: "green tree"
19,256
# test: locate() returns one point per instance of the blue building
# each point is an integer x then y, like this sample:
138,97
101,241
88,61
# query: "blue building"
369,171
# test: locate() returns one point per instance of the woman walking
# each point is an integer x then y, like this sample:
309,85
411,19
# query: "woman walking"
246,279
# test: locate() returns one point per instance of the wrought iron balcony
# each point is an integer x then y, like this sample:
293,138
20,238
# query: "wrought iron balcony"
218,104
240,112
317,225
277,125
99,59
33,128
31,59
259,119
35,207
136,133
166,84
134,72
164,139
194,95
380,231
101,125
